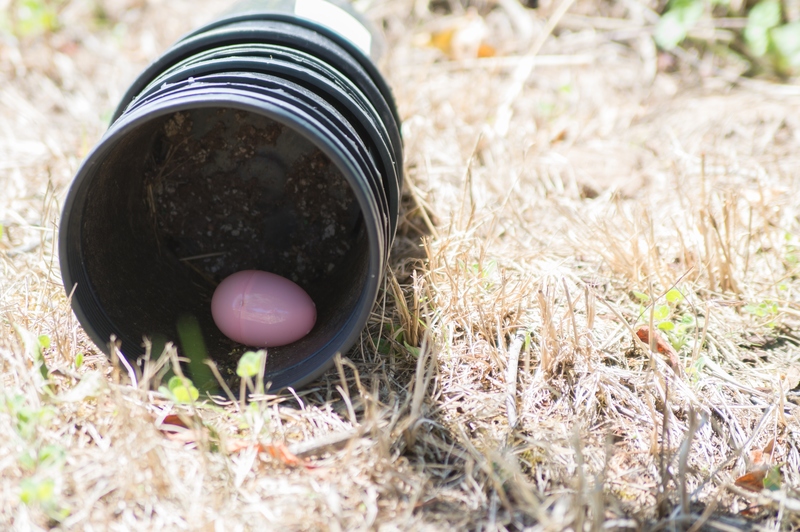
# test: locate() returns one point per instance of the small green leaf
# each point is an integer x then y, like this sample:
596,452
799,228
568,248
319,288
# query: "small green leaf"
677,342
174,382
785,46
765,14
674,296
194,348
44,341
413,351
700,364
182,390
644,298
78,360
399,335
34,351
772,480
249,364
755,310
673,26
661,312
52,455
36,17
60,514
382,346
666,326
758,41
37,491
185,395
670,31
762,17
762,309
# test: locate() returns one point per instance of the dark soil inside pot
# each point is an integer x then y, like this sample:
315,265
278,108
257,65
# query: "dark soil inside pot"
231,191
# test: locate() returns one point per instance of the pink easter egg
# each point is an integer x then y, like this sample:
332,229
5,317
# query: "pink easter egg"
262,309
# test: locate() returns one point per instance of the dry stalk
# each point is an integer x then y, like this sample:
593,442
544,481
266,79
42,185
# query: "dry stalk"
344,389
548,338
576,339
425,371
683,461
581,478
511,380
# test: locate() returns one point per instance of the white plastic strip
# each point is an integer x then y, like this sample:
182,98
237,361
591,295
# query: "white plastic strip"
337,19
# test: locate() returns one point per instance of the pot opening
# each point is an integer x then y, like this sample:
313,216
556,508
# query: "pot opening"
186,199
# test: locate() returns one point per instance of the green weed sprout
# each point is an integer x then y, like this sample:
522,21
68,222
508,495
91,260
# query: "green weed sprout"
180,390
194,348
667,317
41,492
251,365
673,26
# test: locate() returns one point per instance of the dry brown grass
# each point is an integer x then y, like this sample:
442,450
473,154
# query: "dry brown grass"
507,390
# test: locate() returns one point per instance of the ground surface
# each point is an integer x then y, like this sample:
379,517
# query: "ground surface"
499,385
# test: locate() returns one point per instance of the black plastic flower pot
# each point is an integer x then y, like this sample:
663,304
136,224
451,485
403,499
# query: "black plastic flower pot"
265,140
